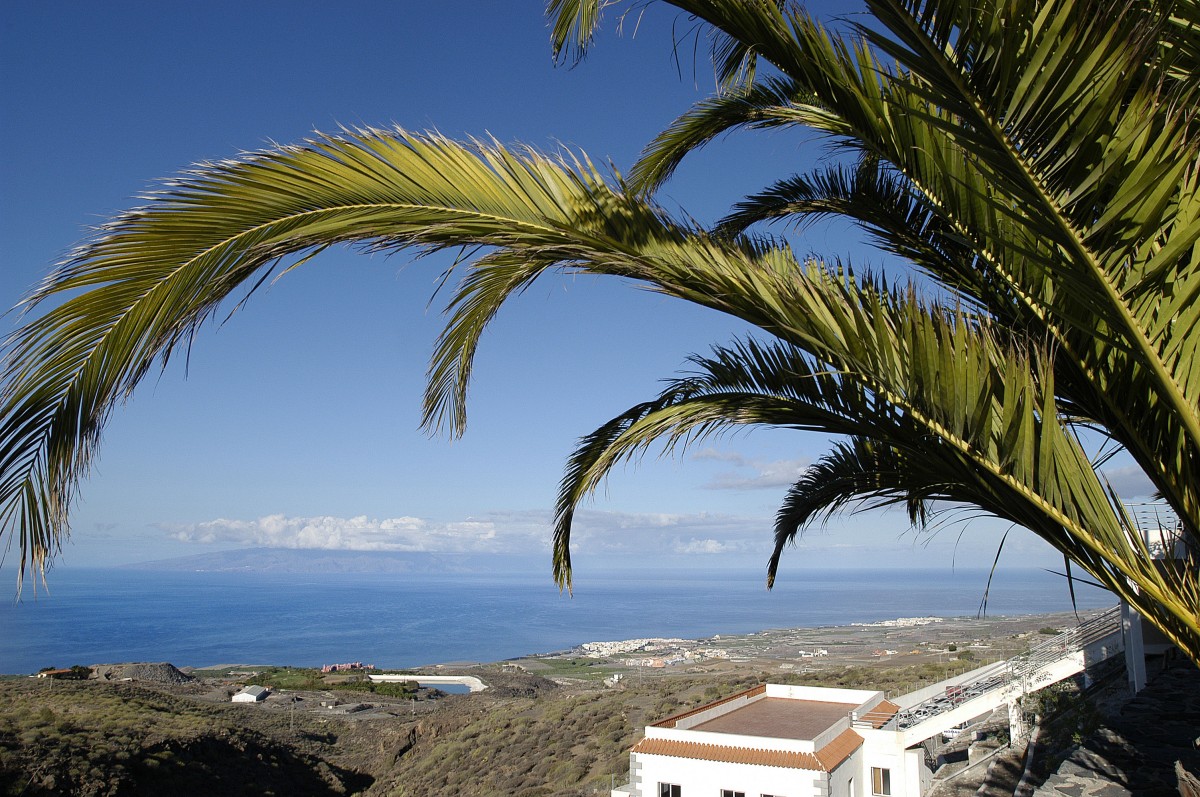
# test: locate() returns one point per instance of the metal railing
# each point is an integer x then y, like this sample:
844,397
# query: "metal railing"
1017,669
1070,641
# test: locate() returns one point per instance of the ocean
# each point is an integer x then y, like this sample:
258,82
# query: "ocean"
401,620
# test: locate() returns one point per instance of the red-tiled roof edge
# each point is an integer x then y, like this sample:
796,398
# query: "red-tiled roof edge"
669,722
728,754
881,713
842,747
827,759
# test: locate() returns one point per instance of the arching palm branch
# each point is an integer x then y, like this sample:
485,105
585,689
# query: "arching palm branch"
1038,160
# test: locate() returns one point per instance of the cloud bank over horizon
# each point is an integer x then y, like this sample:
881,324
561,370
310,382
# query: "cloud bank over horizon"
529,531
637,539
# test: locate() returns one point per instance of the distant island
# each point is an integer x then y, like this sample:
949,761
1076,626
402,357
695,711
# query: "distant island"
307,560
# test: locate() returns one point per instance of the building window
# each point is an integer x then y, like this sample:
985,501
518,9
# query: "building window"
670,790
732,793
881,781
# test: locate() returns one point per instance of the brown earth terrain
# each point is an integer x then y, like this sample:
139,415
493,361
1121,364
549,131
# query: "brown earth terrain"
548,725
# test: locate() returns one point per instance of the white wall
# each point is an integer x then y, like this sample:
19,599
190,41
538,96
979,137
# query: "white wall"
707,778
882,749
732,739
917,776
824,694
839,779
909,776
886,749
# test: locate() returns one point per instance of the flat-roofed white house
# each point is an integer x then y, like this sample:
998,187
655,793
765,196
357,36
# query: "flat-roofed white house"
779,741
809,741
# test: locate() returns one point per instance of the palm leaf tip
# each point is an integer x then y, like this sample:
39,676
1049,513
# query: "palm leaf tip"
563,575
573,25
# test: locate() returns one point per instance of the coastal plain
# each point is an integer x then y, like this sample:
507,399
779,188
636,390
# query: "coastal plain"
556,723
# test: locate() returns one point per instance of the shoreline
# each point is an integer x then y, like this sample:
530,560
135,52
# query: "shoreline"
894,642
888,643
207,618
568,709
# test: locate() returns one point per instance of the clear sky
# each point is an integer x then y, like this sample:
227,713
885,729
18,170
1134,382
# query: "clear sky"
295,424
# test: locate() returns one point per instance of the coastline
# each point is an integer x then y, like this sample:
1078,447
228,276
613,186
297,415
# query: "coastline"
577,719
200,618
896,642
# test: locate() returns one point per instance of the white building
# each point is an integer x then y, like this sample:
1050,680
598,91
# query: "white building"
779,741
251,694
810,741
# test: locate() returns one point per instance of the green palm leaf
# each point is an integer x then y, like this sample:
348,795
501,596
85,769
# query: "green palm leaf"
152,276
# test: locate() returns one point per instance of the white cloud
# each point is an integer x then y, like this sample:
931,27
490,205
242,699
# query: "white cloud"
752,474
878,539
530,531
361,534
1129,481
592,522
719,456
660,534
704,547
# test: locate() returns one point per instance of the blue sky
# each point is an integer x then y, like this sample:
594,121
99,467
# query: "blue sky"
295,424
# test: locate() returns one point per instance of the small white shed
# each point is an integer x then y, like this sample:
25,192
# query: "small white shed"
251,694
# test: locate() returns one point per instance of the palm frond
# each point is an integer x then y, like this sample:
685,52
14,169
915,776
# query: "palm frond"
768,103
942,425
573,24
151,277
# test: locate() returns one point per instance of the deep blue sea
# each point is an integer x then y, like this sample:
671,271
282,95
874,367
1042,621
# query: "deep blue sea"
398,620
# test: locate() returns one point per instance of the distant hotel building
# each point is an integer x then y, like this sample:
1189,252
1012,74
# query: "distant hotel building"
347,667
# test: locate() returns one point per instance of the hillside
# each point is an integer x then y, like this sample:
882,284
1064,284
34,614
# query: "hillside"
526,736
546,727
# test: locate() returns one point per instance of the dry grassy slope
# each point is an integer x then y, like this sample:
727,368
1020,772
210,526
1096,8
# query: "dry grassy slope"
525,737
123,739
571,741
562,741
